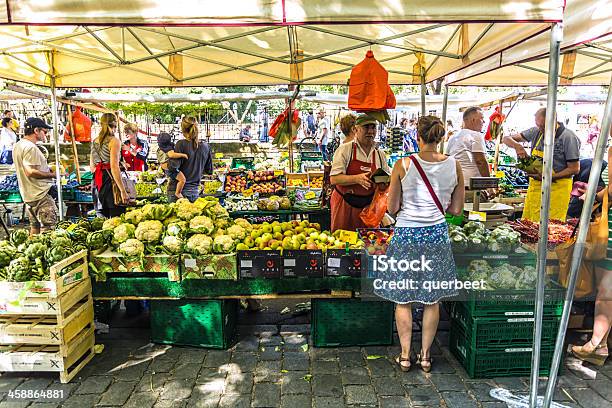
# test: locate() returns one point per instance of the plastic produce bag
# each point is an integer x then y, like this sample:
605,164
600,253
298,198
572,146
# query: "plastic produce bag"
373,214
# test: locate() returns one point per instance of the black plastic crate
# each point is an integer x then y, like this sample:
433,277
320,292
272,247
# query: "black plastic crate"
303,263
342,262
259,264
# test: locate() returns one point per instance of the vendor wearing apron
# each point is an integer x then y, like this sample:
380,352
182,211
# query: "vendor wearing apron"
350,174
565,165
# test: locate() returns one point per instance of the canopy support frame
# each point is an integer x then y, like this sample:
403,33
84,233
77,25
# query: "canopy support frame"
585,218
556,36
55,119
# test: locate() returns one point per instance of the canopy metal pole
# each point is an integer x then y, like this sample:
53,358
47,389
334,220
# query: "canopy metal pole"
556,35
585,218
444,112
423,93
54,107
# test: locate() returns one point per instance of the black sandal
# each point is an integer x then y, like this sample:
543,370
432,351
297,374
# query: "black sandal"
399,359
421,360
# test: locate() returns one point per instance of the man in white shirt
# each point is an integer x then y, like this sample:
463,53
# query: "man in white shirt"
323,133
35,177
468,146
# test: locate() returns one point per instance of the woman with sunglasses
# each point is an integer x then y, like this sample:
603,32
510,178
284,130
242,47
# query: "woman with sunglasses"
105,156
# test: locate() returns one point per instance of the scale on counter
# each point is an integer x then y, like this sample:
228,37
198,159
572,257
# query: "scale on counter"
492,214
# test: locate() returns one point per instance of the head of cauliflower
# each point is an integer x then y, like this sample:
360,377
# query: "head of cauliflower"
199,244
123,232
111,223
173,243
149,231
131,248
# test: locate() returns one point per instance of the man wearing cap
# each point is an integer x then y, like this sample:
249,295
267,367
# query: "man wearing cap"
35,176
353,164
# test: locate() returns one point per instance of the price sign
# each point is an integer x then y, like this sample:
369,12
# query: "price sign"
500,174
278,173
248,192
310,195
348,236
477,216
218,155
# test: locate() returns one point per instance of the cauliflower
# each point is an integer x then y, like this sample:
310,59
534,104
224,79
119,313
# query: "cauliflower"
133,217
236,232
199,244
156,211
186,210
111,223
176,228
479,270
202,224
173,243
474,227
504,277
131,248
527,279
149,231
223,223
244,224
205,202
216,212
223,244
123,232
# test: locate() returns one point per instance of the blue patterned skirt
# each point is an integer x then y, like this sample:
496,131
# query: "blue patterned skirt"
419,266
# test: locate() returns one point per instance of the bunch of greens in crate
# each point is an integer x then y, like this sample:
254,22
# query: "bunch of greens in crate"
24,258
503,276
474,237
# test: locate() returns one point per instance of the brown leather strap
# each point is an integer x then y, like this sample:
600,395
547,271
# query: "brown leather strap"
417,165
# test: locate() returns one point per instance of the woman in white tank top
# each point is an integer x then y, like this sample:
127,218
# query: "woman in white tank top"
423,188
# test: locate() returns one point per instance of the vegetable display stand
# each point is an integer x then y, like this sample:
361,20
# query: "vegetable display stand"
209,267
495,362
351,322
200,323
48,326
60,280
114,264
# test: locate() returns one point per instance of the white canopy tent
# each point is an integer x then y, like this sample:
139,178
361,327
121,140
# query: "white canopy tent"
586,53
117,43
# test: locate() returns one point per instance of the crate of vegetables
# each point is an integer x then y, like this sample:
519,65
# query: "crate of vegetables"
211,266
266,182
110,262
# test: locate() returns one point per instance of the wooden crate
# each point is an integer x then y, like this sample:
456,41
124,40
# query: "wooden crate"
53,287
72,313
67,359
47,306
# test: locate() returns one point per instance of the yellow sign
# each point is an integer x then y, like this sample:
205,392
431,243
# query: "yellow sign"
278,172
477,216
348,236
218,155
500,174
248,192
309,195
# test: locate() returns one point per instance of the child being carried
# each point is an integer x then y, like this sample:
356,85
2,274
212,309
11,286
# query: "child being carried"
170,161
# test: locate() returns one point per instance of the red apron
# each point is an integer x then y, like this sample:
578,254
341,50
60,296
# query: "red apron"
343,215
99,172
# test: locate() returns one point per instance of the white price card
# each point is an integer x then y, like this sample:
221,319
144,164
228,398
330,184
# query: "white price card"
246,263
190,263
333,262
289,262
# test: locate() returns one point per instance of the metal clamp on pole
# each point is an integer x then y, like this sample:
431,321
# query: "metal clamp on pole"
556,35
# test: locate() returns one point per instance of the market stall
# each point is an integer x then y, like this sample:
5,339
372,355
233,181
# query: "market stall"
123,48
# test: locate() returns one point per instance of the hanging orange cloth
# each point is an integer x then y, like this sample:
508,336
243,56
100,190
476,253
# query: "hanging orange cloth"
82,127
369,88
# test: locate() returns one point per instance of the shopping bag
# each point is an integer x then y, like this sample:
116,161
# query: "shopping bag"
585,283
597,236
373,214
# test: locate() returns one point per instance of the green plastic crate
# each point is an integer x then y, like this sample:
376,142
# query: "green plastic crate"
200,323
491,363
351,322
10,196
483,333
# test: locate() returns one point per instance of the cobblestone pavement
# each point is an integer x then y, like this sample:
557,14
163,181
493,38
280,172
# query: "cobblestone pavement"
275,366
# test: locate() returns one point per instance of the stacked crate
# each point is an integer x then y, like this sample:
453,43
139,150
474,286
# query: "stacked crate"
48,326
491,331
395,138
